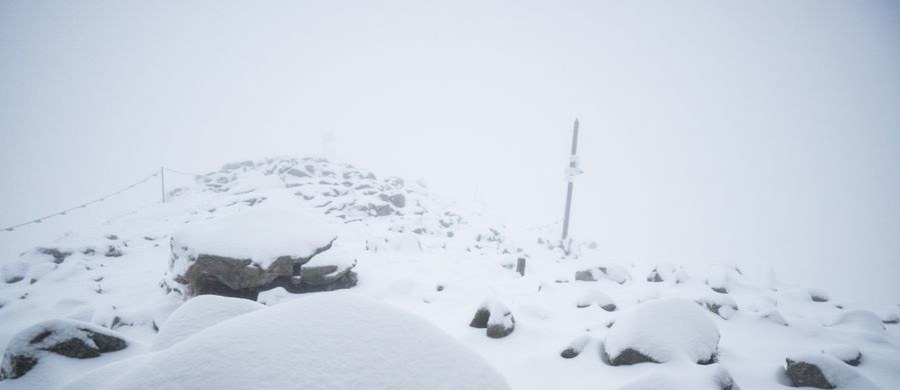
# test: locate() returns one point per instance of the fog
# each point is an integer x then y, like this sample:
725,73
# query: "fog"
763,133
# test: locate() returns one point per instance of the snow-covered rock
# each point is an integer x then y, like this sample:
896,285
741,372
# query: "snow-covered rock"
496,317
243,254
612,272
596,297
823,372
845,353
200,313
73,339
660,331
322,341
575,347
720,304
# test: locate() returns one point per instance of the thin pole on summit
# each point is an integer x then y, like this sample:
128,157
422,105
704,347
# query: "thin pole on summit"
571,171
162,182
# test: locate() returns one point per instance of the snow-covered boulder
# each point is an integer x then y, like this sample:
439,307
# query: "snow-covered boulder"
818,295
575,347
720,304
327,271
256,250
823,372
496,317
660,331
200,313
612,272
596,297
320,341
69,338
845,353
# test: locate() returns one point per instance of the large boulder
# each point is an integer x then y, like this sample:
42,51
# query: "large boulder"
257,250
660,331
317,341
69,338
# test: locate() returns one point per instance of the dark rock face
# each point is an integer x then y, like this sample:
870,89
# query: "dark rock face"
569,353
241,278
496,318
67,338
481,318
803,374
628,357
855,361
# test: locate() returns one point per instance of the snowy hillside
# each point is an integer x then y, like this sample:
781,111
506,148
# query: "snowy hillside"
372,282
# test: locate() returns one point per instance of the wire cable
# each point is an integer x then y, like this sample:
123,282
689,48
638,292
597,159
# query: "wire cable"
83,205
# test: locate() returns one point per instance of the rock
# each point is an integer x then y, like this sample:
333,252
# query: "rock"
823,372
654,277
398,200
58,255
596,297
612,272
660,331
575,347
233,257
721,305
69,338
818,295
296,172
495,317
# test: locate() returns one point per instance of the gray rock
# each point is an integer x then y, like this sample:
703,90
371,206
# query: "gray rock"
73,339
495,317
803,374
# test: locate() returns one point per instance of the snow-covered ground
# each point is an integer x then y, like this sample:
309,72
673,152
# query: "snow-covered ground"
432,261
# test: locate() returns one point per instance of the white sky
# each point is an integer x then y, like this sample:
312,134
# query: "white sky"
762,132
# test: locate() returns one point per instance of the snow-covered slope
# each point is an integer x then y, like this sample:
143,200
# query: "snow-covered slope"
441,262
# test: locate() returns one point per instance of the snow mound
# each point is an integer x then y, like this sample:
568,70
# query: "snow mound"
612,272
713,377
661,331
321,341
860,320
198,314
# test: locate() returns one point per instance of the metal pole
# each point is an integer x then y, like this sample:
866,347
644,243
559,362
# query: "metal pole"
162,180
571,177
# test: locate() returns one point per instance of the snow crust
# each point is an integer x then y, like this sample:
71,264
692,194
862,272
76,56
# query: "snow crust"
665,330
322,341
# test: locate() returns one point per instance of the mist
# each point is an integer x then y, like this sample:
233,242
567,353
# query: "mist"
764,134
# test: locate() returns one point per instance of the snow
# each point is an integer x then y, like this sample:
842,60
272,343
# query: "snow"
665,330
261,236
861,320
402,258
843,352
198,314
321,341
598,298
